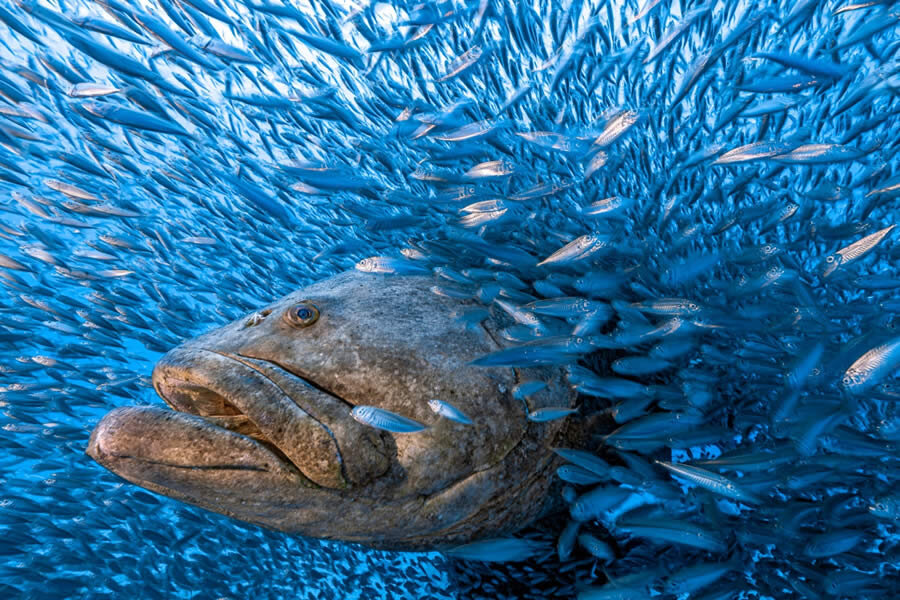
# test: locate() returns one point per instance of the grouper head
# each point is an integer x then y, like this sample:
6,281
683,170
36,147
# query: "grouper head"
260,425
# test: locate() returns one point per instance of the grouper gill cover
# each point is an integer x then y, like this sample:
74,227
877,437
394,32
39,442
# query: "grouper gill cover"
462,299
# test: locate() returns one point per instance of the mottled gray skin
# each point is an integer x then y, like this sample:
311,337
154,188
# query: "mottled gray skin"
261,428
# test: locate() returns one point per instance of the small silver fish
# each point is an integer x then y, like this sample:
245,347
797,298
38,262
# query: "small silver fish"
520,315
640,365
578,249
677,307
200,240
597,161
386,264
616,127
70,190
491,168
527,388
754,151
887,507
576,475
598,548
463,62
853,252
596,502
614,206
112,273
585,460
711,481
673,531
550,413
566,542
832,542
869,368
380,418
448,411
92,90
697,576
566,307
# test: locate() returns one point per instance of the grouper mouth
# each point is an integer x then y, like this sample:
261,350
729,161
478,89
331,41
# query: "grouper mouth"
214,408
234,412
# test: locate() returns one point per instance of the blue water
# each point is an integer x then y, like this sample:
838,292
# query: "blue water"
208,224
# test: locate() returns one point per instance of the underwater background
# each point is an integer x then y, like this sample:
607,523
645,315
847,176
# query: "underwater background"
719,181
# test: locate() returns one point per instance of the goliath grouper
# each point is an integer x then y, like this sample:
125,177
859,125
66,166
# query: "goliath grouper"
262,429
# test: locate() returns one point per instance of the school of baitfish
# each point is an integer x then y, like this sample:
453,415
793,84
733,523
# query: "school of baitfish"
691,206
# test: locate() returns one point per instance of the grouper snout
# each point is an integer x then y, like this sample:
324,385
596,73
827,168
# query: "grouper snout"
260,426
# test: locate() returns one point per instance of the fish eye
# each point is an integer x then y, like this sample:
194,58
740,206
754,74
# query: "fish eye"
303,314
829,259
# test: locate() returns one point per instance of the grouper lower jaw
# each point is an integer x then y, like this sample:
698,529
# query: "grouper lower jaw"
191,459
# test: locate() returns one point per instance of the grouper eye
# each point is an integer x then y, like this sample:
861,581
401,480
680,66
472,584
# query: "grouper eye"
303,314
